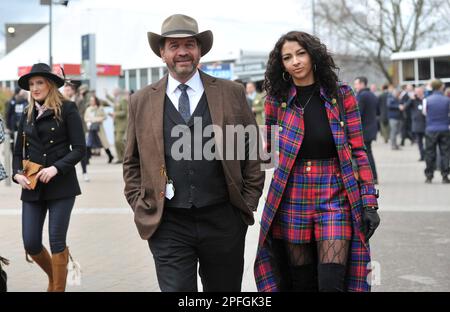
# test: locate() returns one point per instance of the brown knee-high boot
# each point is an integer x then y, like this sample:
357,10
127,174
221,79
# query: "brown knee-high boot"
44,260
59,265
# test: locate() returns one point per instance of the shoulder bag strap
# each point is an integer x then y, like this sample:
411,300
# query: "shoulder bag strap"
23,144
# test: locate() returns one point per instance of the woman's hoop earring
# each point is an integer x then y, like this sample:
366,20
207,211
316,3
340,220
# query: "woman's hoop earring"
284,76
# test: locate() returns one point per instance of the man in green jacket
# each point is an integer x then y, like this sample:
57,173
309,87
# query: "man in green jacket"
257,100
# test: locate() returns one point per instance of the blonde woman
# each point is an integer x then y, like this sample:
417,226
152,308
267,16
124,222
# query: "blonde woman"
54,138
94,118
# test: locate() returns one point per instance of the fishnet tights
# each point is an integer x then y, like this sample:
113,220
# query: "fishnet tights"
328,251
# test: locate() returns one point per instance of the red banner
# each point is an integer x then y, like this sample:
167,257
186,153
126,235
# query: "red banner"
108,70
75,70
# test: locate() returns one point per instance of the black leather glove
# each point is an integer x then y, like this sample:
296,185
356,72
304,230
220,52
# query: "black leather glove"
371,220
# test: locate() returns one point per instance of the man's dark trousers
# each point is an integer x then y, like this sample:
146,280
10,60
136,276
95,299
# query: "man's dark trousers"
442,141
212,236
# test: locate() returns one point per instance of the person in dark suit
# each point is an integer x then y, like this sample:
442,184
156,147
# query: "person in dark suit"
383,110
406,131
418,119
368,105
14,112
193,210
51,134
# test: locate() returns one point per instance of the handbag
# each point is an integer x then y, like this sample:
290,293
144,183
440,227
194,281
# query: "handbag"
2,131
3,275
3,174
73,272
95,126
30,169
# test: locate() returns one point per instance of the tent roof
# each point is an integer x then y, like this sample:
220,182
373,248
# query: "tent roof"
123,42
443,50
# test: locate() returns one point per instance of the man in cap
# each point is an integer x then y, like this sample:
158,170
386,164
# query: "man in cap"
192,210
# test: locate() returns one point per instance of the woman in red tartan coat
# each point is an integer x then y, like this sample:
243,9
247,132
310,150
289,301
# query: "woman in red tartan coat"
320,211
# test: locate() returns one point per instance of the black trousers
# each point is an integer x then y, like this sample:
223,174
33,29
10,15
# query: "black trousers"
433,140
419,138
371,159
211,237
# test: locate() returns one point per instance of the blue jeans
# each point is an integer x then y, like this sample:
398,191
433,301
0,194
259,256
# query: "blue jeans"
33,218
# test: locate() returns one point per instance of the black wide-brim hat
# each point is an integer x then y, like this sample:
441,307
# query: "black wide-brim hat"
40,69
180,26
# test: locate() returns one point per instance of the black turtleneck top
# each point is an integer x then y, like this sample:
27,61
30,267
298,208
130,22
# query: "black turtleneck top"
318,142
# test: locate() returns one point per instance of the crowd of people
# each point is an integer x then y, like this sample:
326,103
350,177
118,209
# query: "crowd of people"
420,114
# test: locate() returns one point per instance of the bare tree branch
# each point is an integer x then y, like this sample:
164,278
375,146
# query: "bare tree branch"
377,28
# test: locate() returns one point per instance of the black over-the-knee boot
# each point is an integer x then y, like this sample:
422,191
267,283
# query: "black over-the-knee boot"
110,156
304,278
331,277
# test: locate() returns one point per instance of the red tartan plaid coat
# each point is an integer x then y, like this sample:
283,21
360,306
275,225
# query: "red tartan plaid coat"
291,129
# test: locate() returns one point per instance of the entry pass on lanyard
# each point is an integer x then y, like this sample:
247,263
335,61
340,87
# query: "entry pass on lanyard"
170,189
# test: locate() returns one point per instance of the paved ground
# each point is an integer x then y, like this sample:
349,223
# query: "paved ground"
411,247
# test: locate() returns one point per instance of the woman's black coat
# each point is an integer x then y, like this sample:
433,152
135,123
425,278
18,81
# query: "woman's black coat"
52,142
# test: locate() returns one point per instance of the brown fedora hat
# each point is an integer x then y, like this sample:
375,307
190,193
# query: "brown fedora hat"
180,26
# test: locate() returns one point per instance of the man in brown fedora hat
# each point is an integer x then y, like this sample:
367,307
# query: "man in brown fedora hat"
192,210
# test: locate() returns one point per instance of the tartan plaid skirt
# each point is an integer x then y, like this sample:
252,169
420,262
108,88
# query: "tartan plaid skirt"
315,204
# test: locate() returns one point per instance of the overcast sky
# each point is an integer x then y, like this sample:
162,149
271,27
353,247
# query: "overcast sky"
283,14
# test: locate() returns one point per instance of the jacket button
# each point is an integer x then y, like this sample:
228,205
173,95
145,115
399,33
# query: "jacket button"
283,104
28,144
308,169
280,128
333,101
51,142
53,129
45,155
308,163
342,124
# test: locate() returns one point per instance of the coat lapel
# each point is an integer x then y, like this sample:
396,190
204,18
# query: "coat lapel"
214,98
157,96
330,104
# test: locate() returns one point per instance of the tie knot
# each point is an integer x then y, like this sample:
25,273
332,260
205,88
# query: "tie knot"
183,87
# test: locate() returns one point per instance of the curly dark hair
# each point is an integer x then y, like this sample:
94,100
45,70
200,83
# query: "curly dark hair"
324,74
